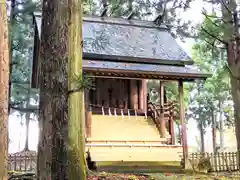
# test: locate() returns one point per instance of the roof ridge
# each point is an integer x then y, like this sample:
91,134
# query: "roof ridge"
117,21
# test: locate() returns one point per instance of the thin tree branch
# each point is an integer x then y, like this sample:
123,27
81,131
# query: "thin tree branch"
213,45
212,35
226,7
207,17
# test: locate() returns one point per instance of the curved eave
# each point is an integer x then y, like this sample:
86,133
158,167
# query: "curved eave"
104,57
111,73
141,71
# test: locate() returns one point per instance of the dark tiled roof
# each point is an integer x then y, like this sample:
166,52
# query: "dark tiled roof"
128,40
190,72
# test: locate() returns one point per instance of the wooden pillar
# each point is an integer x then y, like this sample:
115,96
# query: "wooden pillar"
133,94
98,91
88,115
165,94
104,92
163,120
161,93
145,92
183,126
141,95
172,132
89,123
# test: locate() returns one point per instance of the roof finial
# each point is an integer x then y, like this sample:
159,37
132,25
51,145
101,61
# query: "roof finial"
160,17
104,12
130,16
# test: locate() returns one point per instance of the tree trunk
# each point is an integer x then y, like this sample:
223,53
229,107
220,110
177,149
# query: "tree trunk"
28,114
214,131
53,116
76,133
11,20
231,37
27,117
201,130
221,125
235,83
4,85
61,134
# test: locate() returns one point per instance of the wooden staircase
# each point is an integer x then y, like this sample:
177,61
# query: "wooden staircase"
127,128
128,138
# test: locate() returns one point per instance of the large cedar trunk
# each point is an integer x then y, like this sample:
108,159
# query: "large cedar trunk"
61,109
76,133
52,150
235,83
4,85
231,38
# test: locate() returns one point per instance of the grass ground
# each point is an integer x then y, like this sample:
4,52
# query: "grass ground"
159,176
151,171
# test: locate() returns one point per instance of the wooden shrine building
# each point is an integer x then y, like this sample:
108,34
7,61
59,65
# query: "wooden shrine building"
122,54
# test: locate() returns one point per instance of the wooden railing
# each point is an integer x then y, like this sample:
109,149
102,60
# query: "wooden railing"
218,162
96,109
159,114
168,109
22,163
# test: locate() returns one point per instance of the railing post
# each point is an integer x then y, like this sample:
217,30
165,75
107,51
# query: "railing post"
89,122
172,132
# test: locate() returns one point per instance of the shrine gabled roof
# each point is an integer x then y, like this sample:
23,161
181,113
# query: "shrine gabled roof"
118,39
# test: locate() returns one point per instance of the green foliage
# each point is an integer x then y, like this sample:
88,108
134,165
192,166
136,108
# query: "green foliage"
211,57
22,52
85,83
171,88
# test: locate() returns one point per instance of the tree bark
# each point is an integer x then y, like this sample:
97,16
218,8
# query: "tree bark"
61,147
27,120
77,167
235,83
4,85
28,114
214,131
201,130
53,116
11,20
231,37
221,124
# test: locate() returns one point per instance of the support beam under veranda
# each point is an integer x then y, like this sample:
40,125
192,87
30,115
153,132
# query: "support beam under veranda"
186,163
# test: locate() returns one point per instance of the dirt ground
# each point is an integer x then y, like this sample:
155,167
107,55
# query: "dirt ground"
159,176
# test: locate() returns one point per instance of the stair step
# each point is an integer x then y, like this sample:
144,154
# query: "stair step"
115,128
136,153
